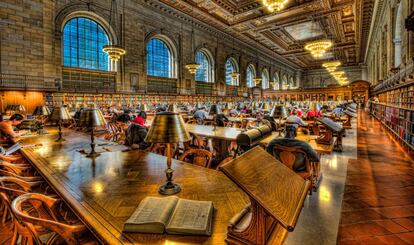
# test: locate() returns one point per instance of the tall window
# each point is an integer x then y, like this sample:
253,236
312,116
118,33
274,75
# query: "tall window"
231,66
265,79
250,75
397,36
204,73
83,40
276,81
159,59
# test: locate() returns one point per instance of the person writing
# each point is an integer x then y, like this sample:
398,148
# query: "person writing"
6,129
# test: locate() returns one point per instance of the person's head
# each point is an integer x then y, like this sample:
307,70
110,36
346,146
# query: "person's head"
295,112
290,131
16,119
127,111
142,114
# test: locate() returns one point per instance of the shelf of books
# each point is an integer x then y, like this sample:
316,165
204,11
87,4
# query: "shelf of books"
397,119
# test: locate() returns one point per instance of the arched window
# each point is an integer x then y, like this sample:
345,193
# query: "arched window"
397,36
265,79
285,84
160,59
250,75
276,81
205,72
291,83
83,40
231,66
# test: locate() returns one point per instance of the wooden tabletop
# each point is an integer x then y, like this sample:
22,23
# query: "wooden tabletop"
224,133
104,192
310,139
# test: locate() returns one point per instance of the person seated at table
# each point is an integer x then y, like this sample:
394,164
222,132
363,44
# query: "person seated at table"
200,114
221,119
338,111
299,111
135,136
7,133
244,110
290,141
141,118
234,112
125,117
313,113
295,120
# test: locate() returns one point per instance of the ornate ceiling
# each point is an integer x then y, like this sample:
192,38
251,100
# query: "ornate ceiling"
345,22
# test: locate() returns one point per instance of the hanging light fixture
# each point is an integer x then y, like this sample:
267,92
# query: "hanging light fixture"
331,65
113,51
257,81
318,48
192,67
274,5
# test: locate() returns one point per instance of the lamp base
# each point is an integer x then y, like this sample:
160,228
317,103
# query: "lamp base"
93,154
60,140
169,188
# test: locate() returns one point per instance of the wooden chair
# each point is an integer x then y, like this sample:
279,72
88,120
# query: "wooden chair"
17,158
291,155
224,161
161,149
199,157
24,170
47,217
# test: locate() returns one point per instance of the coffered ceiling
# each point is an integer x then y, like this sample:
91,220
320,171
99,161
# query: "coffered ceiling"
345,22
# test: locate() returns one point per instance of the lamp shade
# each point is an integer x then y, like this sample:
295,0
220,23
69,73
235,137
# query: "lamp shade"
91,118
214,110
60,113
167,127
279,111
265,107
172,108
41,111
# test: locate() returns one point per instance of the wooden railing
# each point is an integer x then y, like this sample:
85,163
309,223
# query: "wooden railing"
204,88
395,79
161,85
26,82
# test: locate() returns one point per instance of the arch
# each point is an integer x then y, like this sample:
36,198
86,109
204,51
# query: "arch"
397,36
265,79
285,84
205,73
276,81
82,41
161,57
231,66
250,75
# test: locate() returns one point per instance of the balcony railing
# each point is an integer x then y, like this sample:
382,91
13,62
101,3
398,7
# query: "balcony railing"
204,88
79,80
161,85
396,78
26,82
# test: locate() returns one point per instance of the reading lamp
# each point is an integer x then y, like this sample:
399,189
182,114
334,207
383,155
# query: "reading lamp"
91,118
42,112
168,127
59,114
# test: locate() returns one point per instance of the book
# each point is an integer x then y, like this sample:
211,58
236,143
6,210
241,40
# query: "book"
172,215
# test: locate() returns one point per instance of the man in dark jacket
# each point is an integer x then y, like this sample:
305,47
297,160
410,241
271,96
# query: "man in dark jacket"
135,136
290,141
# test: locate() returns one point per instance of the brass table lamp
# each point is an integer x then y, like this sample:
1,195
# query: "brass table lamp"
42,112
91,118
60,114
168,127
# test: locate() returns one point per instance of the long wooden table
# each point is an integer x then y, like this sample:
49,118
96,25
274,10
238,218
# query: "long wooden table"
105,191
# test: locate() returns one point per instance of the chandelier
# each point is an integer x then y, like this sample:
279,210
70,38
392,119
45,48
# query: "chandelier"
274,5
332,65
257,81
318,48
234,75
192,67
114,51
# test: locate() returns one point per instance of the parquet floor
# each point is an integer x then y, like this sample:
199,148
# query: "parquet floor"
378,203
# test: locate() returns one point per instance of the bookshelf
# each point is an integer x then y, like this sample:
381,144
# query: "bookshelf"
399,120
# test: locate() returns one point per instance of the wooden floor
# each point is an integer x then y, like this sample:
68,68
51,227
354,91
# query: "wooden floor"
378,204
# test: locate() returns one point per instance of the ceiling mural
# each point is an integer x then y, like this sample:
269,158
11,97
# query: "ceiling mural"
286,32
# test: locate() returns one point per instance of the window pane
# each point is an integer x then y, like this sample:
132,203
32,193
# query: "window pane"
83,40
249,77
230,68
202,74
158,59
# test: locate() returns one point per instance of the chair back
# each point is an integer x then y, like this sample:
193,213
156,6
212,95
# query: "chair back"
199,157
291,156
46,216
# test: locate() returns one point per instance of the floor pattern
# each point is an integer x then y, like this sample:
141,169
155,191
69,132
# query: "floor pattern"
378,202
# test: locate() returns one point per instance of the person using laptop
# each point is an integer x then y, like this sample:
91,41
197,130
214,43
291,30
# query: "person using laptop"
7,133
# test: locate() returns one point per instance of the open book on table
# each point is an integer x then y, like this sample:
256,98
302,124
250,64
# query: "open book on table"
172,215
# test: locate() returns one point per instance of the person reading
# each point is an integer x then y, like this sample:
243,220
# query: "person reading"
290,141
295,120
7,133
